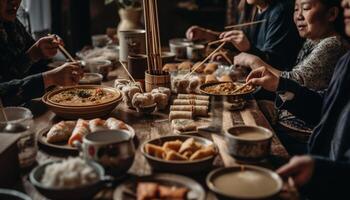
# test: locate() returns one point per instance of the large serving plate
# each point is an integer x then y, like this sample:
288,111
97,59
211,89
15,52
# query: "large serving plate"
237,95
63,147
127,190
117,94
85,112
181,167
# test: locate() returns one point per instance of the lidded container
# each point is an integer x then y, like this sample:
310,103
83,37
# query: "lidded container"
20,121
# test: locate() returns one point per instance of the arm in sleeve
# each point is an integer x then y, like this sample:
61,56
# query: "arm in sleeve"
282,42
328,180
18,91
306,104
316,70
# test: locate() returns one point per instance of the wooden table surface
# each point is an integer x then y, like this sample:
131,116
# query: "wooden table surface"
156,125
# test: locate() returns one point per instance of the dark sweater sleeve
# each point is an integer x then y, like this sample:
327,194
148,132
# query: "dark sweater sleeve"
280,33
18,91
328,180
306,104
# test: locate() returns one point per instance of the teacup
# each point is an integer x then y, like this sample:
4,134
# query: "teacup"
113,149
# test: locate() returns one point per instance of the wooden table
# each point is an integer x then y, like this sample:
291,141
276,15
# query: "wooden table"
157,125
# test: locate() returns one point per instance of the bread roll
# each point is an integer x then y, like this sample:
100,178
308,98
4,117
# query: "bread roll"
170,67
193,96
211,78
191,102
197,68
185,66
210,68
180,115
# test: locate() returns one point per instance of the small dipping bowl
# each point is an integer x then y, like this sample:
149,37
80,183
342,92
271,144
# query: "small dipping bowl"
147,109
244,182
178,47
195,52
91,79
249,143
99,66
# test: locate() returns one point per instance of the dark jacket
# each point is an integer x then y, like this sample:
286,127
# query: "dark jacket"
276,41
330,141
18,91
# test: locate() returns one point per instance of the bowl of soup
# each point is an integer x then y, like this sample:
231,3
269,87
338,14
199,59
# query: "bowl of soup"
249,142
244,182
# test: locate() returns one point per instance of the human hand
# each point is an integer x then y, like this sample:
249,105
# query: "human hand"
248,60
237,38
45,48
66,75
300,168
265,78
199,33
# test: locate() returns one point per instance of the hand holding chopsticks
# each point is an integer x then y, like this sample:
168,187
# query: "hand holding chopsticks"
205,60
64,51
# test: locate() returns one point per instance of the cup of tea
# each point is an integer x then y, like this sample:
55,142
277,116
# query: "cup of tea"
113,149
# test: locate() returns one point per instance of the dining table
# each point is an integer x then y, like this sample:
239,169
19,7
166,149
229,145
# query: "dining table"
155,125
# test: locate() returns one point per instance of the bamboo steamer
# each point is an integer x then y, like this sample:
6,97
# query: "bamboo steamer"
155,81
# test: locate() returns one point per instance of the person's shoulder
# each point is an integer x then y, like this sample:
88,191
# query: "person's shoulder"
333,42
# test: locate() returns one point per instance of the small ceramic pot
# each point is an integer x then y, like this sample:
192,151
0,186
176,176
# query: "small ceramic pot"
113,149
195,52
178,47
249,142
131,42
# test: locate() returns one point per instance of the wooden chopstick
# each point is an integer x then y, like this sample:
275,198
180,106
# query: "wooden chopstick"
205,60
241,87
66,53
215,42
245,24
132,78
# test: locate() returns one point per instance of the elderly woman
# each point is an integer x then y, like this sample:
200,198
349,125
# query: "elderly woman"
20,55
275,41
321,23
321,174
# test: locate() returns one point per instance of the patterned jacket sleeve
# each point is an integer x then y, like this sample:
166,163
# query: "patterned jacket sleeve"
316,70
18,91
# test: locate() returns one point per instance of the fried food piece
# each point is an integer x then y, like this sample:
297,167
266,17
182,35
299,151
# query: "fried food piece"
155,150
178,193
210,68
203,153
172,155
147,191
185,66
210,78
173,145
197,68
170,67
187,154
190,145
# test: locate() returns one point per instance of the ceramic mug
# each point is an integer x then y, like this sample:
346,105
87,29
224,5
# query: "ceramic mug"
113,149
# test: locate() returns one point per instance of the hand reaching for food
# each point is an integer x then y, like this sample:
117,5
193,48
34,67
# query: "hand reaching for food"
265,78
45,48
66,75
237,38
199,33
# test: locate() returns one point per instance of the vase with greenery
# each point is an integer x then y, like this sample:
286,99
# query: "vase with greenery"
130,12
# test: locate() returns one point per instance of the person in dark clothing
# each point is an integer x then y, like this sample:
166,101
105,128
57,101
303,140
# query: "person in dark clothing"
276,41
20,54
323,173
18,91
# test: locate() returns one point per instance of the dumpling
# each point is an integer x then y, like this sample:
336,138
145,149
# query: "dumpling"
60,132
161,100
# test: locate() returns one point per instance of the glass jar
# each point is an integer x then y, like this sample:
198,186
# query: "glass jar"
20,121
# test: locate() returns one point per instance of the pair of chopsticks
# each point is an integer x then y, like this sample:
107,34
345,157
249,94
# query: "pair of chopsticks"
205,60
132,78
64,51
241,87
237,26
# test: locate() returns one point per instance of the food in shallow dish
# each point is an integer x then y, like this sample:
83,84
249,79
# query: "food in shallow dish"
83,96
151,190
227,88
177,150
70,173
71,131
